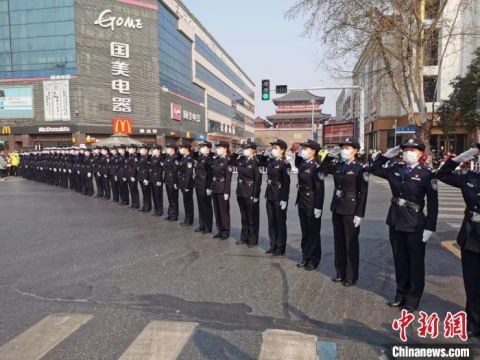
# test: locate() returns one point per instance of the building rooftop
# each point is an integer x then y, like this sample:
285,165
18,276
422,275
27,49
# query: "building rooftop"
299,96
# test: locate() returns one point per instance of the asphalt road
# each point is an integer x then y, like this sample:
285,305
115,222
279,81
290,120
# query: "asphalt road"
61,252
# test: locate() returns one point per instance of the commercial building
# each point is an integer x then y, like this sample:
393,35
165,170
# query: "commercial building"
292,120
383,111
72,71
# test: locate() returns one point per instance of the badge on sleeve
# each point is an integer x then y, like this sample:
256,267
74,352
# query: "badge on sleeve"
366,176
434,184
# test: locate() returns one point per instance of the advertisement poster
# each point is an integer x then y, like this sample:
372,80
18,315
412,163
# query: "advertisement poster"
56,98
16,102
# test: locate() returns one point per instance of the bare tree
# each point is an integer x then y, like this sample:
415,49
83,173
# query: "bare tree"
402,33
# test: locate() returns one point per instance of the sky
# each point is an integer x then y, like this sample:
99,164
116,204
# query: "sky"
266,45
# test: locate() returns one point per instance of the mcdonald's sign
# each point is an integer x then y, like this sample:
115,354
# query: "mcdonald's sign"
122,126
6,130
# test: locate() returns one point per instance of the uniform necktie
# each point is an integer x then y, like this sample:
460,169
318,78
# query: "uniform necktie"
408,170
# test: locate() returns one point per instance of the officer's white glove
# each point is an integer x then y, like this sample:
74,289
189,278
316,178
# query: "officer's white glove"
159,183
89,174
105,176
175,186
187,190
268,151
317,213
124,179
116,178
335,151
132,179
98,173
209,192
54,170
375,154
391,153
226,196
145,182
255,200
357,220
78,172
426,235
283,205
69,171
467,155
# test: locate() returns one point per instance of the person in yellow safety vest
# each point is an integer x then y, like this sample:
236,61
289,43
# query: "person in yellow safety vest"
322,154
15,160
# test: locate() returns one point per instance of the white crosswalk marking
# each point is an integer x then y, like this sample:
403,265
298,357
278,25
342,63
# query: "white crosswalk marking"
160,340
42,337
288,345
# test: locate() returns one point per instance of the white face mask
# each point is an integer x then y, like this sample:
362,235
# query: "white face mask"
346,154
104,152
182,151
121,151
247,152
410,157
131,151
114,152
156,153
170,151
204,150
143,152
276,153
221,151
305,154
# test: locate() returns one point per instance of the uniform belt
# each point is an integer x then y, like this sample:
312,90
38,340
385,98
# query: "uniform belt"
474,216
341,194
215,179
241,181
402,202
303,187
274,183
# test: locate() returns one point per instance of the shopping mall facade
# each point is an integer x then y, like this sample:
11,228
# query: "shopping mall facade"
72,71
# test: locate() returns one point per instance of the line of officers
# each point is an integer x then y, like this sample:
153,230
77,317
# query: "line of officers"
208,169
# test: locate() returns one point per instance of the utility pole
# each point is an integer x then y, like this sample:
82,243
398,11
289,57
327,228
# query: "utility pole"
313,119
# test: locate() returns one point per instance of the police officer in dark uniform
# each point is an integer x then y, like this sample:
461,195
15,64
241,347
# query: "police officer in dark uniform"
121,165
88,164
96,171
469,236
143,170
348,207
248,193
410,229
156,180
113,174
170,175
221,187
185,181
131,172
103,170
203,187
310,196
277,194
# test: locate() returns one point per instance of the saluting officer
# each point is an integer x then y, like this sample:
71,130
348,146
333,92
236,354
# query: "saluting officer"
88,165
113,174
121,164
221,187
310,196
248,193
348,207
277,194
131,169
156,180
103,170
143,169
185,181
170,176
469,236
409,228
95,163
203,187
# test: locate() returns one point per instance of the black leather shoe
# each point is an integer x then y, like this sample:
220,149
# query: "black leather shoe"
311,266
302,264
348,283
239,242
251,246
337,279
217,236
278,253
198,230
409,308
396,303
142,210
204,232
224,237
269,251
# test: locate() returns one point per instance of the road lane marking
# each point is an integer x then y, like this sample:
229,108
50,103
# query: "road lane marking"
42,337
326,350
450,216
446,209
288,345
450,246
160,340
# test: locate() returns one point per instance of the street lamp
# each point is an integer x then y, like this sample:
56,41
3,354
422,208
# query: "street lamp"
313,118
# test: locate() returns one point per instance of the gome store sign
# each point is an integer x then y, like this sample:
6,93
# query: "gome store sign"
107,20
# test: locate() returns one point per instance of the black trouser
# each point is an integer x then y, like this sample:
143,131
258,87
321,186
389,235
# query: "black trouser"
205,210
471,281
311,243
88,186
277,226
249,220
172,195
147,197
222,214
409,256
124,193
347,248
157,199
115,185
133,186
106,187
98,183
188,206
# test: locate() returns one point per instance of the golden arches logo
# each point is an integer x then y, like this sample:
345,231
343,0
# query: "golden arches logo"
122,126
6,130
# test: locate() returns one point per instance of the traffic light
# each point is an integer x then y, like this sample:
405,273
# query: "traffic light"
265,90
